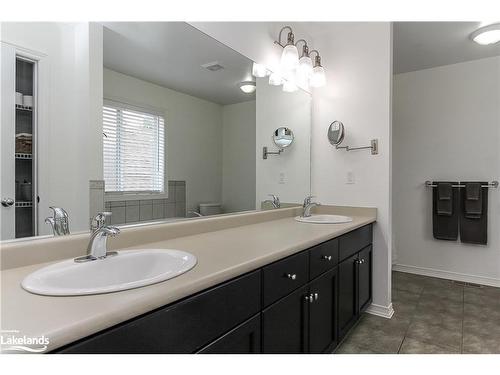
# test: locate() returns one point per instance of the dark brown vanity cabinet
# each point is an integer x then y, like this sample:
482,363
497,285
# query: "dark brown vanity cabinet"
355,277
304,303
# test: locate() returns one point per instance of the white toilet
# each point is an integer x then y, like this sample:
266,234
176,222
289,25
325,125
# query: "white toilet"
210,208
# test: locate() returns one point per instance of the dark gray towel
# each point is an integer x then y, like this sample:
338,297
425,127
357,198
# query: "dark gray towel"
444,194
445,211
474,215
473,203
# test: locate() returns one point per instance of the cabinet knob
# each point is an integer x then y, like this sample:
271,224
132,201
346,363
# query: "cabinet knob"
316,296
291,276
310,298
7,202
327,257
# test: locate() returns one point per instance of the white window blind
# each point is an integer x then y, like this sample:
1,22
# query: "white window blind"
133,148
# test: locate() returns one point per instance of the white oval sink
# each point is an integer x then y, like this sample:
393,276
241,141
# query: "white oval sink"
127,270
324,219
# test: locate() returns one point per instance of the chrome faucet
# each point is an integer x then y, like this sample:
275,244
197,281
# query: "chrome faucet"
275,202
97,247
308,205
59,221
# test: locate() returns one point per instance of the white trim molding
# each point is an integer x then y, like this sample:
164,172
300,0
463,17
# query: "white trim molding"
383,311
447,275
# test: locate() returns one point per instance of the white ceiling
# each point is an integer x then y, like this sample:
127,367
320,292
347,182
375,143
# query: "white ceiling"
170,54
423,45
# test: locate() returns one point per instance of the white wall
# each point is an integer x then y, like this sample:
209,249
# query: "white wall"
358,61
238,156
446,127
288,174
194,133
68,154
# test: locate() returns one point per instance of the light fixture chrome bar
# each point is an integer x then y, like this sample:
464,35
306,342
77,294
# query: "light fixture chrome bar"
290,36
492,184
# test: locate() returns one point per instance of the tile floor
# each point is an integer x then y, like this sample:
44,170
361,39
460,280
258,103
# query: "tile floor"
432,316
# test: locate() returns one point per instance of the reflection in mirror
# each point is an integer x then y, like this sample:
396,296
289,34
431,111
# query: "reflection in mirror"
172,127
336,133
283,137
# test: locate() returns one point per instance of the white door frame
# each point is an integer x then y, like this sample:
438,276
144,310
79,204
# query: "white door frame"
41,134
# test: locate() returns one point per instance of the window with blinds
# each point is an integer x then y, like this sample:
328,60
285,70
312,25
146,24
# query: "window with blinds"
134,149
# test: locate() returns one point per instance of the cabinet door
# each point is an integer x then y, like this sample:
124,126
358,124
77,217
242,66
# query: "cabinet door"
183,327
323,313
348,296
284,324
365,278
244,339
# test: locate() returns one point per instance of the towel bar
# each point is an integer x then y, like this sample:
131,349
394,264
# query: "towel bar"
492,184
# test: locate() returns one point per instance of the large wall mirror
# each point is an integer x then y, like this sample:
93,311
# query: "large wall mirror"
151,121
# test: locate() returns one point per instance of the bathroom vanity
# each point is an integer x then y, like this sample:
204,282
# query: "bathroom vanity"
263,283
304,303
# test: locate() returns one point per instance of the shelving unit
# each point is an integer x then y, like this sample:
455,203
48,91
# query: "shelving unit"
25,215
20,155
24,204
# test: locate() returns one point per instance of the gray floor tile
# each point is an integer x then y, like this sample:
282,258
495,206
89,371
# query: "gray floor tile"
407,285
477,344
431,315
404,296
445,291
435,334
350,348
366,336
413,346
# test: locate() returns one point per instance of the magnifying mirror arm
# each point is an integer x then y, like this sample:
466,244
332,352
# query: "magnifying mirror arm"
373,146
265,152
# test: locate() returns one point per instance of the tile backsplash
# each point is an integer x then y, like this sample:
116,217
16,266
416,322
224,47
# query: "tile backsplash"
134,211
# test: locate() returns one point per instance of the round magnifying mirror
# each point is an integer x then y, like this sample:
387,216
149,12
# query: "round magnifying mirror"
283,137
336,133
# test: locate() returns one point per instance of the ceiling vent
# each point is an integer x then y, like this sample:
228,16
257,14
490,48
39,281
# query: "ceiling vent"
213,66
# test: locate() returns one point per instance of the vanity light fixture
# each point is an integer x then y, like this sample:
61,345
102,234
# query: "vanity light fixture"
305,63
275,79
303,72
259,70
489,34
318,78
290,54
289,86
248,87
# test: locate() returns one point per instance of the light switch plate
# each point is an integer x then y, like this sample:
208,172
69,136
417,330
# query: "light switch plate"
350,178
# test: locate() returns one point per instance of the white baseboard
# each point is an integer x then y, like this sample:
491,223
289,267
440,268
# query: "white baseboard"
383,311
447,275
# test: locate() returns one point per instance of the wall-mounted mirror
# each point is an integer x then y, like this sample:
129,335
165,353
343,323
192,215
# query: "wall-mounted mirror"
283,137
336,133
171,132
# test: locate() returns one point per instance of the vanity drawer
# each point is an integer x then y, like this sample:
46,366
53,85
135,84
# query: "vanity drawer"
323,257
183,327
354,241
284,276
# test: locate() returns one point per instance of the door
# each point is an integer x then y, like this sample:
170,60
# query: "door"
365,278
348,296
244,339
7,142
284,324
323,313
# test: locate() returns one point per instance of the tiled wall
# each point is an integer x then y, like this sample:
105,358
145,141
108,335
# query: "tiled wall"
133,211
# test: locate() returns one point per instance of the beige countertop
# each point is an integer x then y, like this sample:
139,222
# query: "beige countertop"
222,254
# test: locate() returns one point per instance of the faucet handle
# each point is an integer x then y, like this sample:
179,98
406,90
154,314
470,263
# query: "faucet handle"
99,220
308,199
